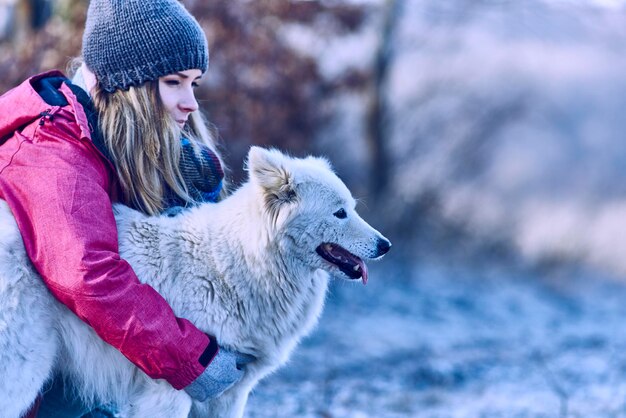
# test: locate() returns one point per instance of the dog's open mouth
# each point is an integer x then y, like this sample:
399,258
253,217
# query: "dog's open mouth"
351,265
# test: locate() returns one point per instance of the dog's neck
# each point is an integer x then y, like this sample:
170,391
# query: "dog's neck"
227,250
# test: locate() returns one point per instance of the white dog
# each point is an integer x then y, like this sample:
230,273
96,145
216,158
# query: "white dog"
252,270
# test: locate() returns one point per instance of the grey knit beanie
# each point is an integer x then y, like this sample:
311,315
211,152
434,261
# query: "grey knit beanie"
129,42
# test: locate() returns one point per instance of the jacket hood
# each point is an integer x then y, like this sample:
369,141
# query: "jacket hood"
22,104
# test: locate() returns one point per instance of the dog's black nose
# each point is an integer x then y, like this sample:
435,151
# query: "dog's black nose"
383,246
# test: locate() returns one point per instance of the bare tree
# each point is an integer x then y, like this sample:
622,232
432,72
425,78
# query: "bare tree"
377,112
265,92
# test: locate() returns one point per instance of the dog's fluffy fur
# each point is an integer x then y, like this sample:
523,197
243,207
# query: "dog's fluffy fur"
252,270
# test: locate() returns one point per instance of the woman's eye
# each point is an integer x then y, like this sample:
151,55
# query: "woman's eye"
195,85
172,82
341,214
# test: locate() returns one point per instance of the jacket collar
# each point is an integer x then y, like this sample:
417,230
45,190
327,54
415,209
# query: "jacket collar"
23,104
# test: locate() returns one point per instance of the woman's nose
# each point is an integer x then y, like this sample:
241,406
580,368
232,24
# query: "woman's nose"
188,102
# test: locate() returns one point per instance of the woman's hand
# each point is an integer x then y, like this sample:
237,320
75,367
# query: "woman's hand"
226,369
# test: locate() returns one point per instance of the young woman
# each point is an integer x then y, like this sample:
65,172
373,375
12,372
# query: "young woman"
126,130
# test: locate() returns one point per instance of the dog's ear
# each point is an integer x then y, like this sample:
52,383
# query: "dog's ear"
268,168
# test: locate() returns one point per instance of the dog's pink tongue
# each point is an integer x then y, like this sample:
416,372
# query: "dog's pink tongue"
363,271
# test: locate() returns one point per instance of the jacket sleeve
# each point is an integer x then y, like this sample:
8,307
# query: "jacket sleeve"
57,188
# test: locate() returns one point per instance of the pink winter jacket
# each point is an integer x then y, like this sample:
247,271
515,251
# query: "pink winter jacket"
60,188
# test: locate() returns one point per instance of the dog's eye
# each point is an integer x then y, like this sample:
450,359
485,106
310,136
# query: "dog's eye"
341,214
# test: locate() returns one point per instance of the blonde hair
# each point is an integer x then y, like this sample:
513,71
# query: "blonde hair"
144,143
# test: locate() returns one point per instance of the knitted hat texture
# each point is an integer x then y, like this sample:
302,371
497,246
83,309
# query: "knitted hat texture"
129,42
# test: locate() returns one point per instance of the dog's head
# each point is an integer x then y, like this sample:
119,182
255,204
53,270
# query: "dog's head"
312,213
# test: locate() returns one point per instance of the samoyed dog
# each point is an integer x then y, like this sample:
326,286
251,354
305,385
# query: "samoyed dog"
252,270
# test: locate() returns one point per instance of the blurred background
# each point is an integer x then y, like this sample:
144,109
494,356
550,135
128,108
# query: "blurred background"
485,138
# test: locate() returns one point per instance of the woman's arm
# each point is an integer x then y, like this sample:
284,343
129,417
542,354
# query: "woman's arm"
57,188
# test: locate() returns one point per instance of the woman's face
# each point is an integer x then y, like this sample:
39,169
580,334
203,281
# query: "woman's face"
178,95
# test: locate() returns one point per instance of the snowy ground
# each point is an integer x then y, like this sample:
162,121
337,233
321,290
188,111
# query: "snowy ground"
446,342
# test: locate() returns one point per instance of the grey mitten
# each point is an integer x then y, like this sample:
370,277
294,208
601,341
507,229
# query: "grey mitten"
224,371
